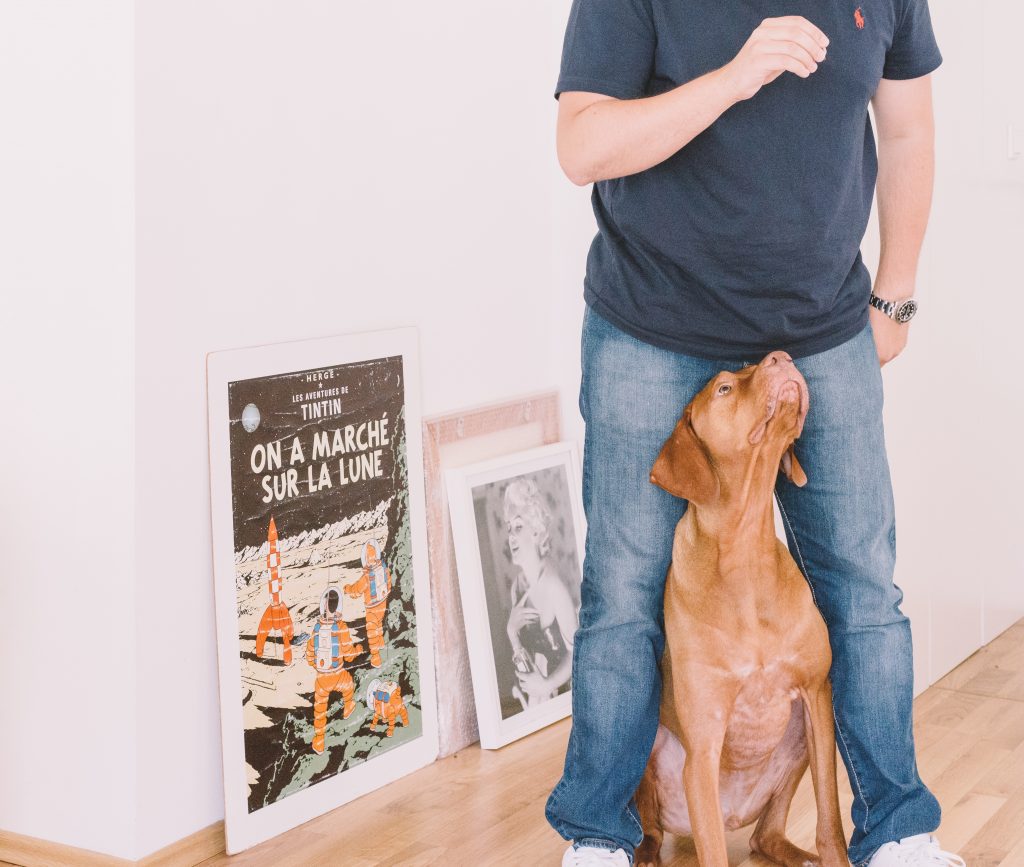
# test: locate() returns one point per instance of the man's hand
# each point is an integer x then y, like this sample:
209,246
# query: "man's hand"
890,335
779,44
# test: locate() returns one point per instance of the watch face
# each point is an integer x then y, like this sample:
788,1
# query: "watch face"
905,312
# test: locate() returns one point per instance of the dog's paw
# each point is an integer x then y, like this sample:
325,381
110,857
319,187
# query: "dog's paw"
646,854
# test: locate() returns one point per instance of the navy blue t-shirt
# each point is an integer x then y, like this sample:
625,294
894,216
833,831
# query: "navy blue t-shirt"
748,238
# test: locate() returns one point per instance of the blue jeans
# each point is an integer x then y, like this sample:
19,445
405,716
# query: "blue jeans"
841,531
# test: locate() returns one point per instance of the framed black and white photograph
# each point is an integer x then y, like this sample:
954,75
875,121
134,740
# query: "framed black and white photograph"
450,439
519,530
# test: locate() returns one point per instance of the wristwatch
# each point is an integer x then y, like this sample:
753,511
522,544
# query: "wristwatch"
900,311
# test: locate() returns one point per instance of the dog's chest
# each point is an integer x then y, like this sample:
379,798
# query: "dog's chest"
760,714
764,740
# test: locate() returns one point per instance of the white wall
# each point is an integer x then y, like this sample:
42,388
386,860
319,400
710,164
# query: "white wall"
954,406
306,169
998,186
67,727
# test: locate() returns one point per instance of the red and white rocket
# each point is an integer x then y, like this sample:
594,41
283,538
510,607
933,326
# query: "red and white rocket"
274,564
276,616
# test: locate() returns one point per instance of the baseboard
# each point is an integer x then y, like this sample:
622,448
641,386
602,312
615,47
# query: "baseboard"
190,850
33,852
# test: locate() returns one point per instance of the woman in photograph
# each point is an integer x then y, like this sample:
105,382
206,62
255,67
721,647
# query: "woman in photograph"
542,622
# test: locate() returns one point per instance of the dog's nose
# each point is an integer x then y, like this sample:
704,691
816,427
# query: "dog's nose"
775,357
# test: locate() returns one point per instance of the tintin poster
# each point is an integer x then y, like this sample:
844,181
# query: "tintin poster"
322,604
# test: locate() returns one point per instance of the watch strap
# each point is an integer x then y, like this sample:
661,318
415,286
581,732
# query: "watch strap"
901,310
887,307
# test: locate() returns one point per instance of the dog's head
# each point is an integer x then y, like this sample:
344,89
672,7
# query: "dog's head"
737,419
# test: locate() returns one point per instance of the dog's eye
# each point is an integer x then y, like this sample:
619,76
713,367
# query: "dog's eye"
724,388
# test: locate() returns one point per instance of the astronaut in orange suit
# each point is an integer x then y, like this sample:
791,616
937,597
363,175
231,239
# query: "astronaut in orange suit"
276,616
374,585
328,649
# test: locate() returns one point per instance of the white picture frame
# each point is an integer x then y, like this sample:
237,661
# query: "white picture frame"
395,352
451,439
487,588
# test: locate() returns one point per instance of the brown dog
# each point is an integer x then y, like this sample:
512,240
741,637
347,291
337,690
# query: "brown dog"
746,697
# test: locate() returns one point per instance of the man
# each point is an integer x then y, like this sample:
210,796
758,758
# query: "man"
734,164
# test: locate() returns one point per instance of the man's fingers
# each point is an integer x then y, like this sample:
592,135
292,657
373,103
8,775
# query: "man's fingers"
800,22
783,59
796,67
793,65
802,38
790,49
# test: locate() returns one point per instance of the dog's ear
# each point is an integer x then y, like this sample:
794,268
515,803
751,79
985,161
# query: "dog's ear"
791,467
683,468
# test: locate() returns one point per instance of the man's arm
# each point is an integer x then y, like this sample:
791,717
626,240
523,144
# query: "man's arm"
600,137
906,170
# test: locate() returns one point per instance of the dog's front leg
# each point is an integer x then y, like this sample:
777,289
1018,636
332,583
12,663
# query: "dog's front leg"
700,780
821,744
704,719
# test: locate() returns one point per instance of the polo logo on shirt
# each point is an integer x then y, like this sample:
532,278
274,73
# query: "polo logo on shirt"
858,18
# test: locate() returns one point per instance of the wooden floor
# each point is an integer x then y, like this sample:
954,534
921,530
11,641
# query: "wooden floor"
478,808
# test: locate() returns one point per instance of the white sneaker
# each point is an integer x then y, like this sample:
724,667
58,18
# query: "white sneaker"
591,856
921,850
